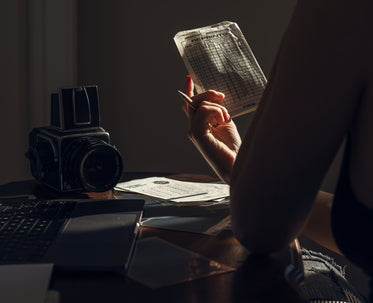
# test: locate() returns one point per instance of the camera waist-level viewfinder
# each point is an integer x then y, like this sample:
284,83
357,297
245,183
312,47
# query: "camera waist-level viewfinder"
74,152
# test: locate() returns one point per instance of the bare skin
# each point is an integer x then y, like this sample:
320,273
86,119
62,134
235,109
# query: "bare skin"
212,130
216,149
319,91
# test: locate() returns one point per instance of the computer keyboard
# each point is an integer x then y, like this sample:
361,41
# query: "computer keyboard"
28,229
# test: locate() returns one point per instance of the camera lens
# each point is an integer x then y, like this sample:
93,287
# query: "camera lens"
93,164
99,168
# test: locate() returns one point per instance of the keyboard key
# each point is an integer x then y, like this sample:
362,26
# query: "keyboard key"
27,231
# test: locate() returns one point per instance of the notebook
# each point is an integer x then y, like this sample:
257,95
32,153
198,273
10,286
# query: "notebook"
71,234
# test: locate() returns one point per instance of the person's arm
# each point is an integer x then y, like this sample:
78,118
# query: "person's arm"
305,113
318,226
212,131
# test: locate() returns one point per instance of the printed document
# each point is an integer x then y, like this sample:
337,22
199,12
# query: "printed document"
175,191
218,57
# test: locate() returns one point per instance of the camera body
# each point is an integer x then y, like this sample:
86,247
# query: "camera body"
74,152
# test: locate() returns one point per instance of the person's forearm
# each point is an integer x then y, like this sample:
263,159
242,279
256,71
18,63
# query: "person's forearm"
246,142
221,163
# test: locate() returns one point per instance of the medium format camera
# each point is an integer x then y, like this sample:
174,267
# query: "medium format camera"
74,152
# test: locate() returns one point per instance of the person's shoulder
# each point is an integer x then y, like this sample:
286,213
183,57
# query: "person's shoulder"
336,6
343,15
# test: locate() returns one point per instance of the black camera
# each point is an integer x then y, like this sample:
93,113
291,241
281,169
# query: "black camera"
74,152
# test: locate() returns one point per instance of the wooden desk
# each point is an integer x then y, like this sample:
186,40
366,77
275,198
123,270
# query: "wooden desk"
255,278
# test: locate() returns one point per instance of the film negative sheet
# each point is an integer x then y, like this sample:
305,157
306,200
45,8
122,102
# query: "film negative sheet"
218,57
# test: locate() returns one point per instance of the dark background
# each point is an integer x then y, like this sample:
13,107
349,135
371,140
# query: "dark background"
127,48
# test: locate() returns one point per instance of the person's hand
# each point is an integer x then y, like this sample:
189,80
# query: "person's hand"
212,130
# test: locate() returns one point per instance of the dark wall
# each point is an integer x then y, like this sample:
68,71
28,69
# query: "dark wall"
127,48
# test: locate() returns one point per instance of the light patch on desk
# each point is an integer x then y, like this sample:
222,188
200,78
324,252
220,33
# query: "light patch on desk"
158,263
210,224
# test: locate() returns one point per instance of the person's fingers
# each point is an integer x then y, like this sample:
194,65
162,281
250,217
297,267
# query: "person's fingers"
189,91
189,86
210,95
223,110
212,114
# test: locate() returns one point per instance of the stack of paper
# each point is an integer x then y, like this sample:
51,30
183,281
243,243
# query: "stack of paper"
180,192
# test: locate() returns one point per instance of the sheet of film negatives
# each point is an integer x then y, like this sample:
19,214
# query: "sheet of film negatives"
218,57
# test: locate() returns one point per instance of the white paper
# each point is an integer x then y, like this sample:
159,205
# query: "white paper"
218,57
175,191
26,283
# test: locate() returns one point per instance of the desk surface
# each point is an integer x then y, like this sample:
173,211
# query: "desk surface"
249,282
